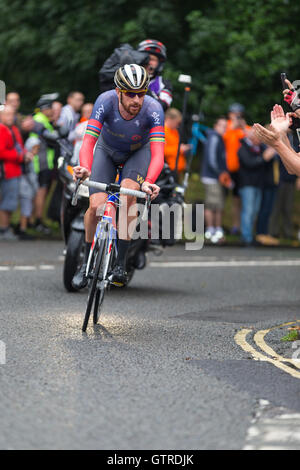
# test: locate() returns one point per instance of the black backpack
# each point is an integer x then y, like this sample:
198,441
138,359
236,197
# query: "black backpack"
125,54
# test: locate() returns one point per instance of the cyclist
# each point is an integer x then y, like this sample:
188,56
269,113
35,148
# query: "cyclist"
159,88
126,127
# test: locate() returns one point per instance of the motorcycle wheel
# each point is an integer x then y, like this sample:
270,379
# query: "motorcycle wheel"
72,259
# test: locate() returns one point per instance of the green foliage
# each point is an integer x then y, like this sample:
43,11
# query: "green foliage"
234,51
291,336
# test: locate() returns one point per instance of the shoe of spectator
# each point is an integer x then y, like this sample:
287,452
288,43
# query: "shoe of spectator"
209,233
267,240
218,236
25,236
235,231
41,228
8,235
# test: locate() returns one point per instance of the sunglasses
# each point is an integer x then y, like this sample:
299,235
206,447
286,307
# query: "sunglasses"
132,94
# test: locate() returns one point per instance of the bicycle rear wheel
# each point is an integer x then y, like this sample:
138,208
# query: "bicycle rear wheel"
98,259
107,266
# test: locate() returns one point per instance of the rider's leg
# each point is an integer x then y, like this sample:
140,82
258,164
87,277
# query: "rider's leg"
127,220
93,215
104,171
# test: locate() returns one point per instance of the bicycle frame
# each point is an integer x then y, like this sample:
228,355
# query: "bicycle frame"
108,219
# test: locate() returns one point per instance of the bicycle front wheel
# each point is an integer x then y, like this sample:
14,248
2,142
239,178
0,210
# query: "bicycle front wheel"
98,259
106,266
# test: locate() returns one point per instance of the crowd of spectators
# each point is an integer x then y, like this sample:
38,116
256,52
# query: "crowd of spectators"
234,162
28,163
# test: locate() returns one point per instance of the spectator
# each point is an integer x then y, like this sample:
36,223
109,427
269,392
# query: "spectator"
173,119
214,165
80,129
28,188
56,112
70,113
198,133
270,185
252,156
44,161
12,155
281,221
13,100
236,130
86,112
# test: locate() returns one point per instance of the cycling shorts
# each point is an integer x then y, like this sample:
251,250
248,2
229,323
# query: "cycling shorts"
106,160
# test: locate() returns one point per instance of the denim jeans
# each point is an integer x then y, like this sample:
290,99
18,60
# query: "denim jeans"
251,199
265,211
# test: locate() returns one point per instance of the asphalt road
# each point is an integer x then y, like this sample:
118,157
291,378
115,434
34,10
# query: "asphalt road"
165,369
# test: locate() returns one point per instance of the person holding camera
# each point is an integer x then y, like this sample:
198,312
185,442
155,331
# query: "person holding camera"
276,136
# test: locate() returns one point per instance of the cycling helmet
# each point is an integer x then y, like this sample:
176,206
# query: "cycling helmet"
45,101
153,47
131,77
156,48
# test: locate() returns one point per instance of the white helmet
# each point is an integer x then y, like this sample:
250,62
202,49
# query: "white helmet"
132,77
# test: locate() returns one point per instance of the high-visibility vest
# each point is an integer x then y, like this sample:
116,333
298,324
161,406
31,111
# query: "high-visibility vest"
42,119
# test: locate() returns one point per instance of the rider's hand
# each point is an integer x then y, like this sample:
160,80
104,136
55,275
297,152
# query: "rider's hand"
80,172
151,188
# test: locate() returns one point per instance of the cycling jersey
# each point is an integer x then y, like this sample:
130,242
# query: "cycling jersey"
126,136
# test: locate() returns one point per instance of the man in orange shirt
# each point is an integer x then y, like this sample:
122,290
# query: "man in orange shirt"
173,119
236,130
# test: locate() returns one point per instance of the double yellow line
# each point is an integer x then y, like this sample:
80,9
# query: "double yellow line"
275,359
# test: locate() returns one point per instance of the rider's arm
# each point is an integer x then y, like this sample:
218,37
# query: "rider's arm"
90,138
92,133
157,139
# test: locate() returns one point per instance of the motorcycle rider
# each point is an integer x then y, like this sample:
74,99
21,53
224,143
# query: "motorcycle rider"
159,87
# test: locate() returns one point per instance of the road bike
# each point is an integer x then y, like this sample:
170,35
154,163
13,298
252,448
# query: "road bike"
104,248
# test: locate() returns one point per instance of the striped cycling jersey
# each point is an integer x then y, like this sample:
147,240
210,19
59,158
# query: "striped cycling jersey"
126,136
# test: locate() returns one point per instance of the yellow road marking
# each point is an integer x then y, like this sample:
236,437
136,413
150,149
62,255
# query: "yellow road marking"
260,341
240,339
